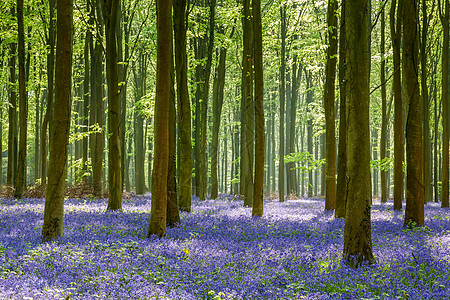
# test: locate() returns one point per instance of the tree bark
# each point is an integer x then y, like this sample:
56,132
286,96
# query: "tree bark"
59,139
161,130
110,9
357,235
97,107
414,211
173,215
398,107
22,157
217,112
330,79
140,78
183,106
428,192
258,204
444,15
384,188
282,103
341,188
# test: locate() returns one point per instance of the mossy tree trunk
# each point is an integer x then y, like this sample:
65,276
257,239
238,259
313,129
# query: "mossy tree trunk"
357,235
161,130
59,139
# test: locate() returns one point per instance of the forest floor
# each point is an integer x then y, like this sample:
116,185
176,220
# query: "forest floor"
218,252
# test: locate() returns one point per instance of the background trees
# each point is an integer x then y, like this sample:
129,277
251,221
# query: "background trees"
220,38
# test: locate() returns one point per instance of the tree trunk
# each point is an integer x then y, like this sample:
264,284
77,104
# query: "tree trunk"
247,108
161,129
110,8
341,188
47,122
217,112
258,207
173,215
22,157
309,100
357,235
445,125
59,139
183,106
428,196
12,118
384,188
140,78
296,72
398,109
330,79
282,103
414,211
97,109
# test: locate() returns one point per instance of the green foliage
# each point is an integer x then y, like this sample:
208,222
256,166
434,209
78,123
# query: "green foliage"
305,161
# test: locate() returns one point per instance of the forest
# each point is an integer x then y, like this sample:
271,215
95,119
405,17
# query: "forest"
222,149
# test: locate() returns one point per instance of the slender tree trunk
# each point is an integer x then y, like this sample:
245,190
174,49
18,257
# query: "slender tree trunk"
47,123
258,207
296,72
445,122
436,137
140,78
110,9
97,109
330,79
59,139
310,146
12,118
398,108
383,134
22,157
357,235
341,188
414,211
173,215
183,106
282,103
161,130
217,112
86,96
247,108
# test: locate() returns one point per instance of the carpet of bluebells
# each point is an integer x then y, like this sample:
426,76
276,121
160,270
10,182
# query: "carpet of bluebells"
218,252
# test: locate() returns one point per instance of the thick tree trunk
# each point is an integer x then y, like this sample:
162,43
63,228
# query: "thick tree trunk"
357,235
161,129
330,79
398,108
22,157
59,139
341,188
183,106
110,9
258,207
414,211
